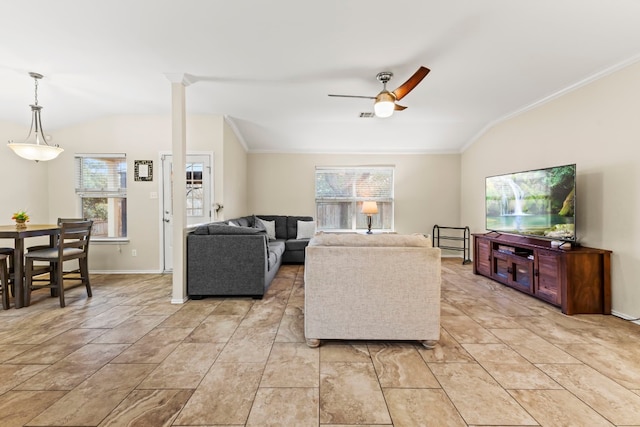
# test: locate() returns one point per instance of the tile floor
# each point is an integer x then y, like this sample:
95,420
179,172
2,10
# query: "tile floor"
127,357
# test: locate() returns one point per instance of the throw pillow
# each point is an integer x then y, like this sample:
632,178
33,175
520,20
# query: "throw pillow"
270,226
306,229
233,224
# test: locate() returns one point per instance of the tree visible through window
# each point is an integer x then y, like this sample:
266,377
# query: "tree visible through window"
101,184
340,192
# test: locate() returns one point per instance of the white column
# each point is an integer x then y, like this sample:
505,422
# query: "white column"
179,185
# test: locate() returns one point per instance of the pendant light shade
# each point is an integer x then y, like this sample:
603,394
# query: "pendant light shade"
35,146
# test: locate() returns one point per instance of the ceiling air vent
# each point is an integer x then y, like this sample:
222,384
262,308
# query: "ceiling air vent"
366,115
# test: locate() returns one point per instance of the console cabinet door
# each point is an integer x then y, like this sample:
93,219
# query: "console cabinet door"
522,277
483,257
548,271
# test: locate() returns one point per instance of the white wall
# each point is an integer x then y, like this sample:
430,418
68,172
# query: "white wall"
140,138
24,181
597,128
427,187
233,185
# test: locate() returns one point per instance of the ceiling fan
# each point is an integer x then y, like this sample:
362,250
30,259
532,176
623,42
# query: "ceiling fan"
385,102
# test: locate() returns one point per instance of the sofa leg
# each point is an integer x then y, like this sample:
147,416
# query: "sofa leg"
429,344
313,343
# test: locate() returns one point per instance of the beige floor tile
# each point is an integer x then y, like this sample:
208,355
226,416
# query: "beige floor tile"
292,365
248,346
350,394
73,369
184,367
9,351
131,330
532,347
589,361
19,407
494,353
155,346
285,407
291,328
111,318
446,350
343,351
477,396
524,376
234,386
94,399
400,365
558,408
608,398
234,306
422,408
465,330
14,375
620,363
215,328
148,408
189,316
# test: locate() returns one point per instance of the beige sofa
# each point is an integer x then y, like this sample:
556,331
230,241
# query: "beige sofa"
372,287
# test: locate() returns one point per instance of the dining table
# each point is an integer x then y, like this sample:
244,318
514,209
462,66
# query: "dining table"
18,235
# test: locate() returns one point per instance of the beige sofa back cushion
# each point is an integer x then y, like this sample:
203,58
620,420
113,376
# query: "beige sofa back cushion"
368,240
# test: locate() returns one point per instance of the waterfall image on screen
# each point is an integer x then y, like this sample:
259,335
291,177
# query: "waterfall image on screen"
538,202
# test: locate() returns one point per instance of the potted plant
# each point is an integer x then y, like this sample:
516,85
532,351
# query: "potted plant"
21,218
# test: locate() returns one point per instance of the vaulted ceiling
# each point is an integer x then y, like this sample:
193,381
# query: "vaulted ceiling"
269,65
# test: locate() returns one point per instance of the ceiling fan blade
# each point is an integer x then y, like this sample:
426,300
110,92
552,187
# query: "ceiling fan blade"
399,107
413,81
354,96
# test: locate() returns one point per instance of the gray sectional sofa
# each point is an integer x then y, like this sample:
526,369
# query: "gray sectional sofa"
237,257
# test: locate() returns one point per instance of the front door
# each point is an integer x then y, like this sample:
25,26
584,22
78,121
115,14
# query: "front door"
199,189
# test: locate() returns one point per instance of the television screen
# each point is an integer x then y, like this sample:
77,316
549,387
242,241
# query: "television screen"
538,203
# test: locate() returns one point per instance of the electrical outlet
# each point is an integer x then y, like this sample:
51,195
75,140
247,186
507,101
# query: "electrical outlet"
134,252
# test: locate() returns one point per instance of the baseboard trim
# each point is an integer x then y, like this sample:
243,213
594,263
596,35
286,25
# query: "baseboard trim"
126,272
625,317
179,301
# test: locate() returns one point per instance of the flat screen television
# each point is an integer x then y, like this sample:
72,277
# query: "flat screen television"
539,203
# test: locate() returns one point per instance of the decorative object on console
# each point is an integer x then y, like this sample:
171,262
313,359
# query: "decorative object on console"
35,148
369,209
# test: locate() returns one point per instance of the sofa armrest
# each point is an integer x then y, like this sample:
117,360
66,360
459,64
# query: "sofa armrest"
226,264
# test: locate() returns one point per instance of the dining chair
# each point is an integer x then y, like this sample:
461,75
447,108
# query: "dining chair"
4,278
72,244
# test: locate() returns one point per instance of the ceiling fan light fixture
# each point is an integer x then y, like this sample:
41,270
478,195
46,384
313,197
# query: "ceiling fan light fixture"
35,147
384,105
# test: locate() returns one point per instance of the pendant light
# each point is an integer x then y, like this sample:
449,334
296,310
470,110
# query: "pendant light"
35,146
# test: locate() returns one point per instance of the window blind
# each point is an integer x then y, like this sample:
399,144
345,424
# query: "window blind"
101,174
359,183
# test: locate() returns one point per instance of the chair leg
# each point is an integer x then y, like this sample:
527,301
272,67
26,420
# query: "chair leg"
84,274
4,277
59,282
28,281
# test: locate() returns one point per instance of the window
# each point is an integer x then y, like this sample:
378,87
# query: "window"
340,192
101,184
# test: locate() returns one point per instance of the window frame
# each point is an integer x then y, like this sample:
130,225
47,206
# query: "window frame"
386,203
117,191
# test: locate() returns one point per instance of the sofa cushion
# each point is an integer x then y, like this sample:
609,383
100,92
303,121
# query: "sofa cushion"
296,244
245,221
277,247
306,229
292,225
352,239
270,228
220,228
281,224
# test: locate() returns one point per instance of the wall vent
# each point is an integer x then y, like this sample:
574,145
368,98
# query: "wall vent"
366,115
